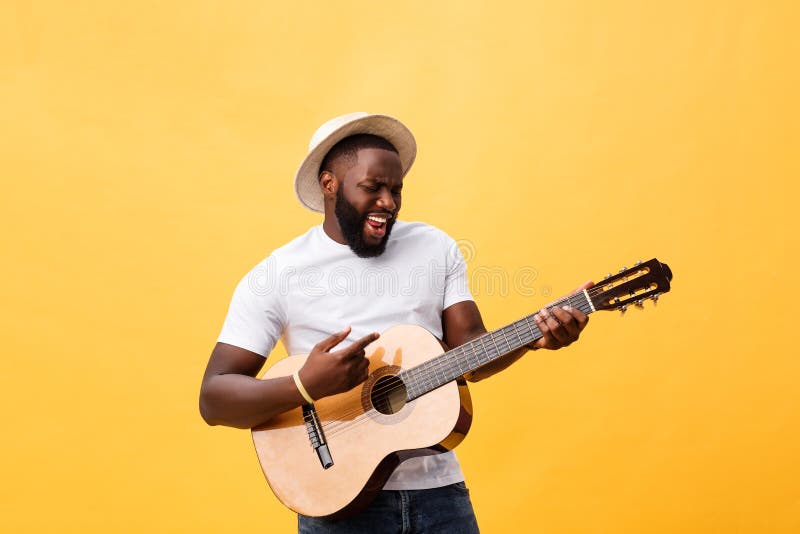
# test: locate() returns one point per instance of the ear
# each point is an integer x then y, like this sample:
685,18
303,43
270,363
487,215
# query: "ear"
329,184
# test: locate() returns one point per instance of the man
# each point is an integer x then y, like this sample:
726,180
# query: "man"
325,279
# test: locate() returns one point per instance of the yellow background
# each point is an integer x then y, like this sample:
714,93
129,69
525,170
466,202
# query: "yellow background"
147,151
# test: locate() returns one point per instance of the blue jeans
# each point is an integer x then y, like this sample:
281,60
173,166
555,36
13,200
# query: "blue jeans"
442,510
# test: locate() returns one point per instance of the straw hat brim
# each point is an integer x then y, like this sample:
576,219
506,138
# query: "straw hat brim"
306,181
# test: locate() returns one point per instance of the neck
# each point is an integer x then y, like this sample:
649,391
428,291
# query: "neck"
331,227
476,353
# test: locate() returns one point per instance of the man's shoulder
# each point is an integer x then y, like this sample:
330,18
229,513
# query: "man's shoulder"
290,253
298,245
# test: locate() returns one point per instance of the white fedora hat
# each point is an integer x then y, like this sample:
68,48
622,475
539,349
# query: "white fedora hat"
306,181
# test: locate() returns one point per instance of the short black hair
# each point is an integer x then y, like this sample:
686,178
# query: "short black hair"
346,150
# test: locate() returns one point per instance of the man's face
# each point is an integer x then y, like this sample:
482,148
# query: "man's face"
368,200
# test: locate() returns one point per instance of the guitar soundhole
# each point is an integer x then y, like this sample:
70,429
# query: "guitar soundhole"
388,395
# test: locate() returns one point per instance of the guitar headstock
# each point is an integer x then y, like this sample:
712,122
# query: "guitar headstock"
645,280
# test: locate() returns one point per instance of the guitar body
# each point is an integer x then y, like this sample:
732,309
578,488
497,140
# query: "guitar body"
368,434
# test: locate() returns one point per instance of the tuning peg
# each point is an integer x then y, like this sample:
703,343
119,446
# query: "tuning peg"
623,269
639,304
654,298
623,308
607,276
638,263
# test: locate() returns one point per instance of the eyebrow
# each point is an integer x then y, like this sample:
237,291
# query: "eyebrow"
379,179
373,180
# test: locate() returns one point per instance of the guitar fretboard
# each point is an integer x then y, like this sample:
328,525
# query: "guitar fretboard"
455,363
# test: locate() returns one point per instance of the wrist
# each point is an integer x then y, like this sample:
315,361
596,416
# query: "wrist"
301,388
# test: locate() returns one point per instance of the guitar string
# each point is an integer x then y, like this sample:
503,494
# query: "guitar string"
514,328
455,355
452,359
459,355
475,347
334,427
462,354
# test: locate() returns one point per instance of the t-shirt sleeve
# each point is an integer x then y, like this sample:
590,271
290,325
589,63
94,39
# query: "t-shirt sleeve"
255,317
456,288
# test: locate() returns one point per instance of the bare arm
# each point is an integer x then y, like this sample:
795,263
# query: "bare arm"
230,394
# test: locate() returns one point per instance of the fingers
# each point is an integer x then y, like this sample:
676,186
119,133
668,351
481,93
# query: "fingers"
332,340
557,329
328,372
547,340
363,368
567,322
356,349
560,326
581,318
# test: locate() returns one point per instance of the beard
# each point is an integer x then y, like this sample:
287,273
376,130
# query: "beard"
351,222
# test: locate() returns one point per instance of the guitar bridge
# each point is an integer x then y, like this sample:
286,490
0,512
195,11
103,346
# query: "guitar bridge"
316,436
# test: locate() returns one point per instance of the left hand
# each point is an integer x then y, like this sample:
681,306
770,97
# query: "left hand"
560,326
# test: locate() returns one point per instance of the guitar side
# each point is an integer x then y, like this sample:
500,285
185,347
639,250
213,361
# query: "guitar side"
365,444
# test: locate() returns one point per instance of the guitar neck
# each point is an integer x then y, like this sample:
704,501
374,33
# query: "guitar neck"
457,362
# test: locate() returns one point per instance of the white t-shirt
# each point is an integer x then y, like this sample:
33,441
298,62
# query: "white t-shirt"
313,286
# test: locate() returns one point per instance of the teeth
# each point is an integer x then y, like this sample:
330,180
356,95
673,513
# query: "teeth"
376,219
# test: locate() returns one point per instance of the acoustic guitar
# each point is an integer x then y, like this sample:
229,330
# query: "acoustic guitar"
331,458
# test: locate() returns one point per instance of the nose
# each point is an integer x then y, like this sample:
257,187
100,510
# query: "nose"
386,200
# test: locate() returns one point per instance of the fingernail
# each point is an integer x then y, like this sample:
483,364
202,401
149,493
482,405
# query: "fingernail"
566,308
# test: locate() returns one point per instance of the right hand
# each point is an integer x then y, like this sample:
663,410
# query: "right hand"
328,373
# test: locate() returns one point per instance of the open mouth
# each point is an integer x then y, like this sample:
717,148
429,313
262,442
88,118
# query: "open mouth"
375,225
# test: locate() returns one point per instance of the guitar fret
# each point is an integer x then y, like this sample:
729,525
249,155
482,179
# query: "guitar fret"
428,380
489,351
484,351
523,332
505,338
528,321
521,343
412,383
459,360
434,378
495,345
447,368
453,366
465,361
437,371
